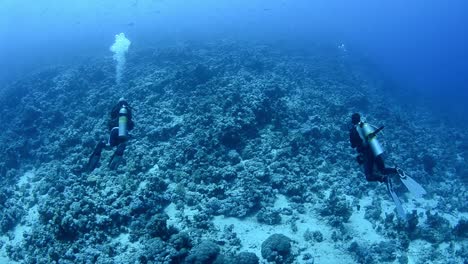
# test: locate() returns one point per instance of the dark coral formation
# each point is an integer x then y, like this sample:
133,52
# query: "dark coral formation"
205,252
277,249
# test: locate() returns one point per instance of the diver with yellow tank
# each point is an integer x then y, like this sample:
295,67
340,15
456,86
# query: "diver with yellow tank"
363,137
120,123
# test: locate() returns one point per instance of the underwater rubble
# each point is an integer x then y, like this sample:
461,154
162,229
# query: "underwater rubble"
240,154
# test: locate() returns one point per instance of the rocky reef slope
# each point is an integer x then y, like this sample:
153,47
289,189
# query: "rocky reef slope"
240,154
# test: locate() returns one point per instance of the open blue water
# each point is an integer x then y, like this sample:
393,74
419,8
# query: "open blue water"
421,45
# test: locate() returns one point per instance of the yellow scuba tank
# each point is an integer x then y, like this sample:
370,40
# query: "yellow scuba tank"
123,121
366,132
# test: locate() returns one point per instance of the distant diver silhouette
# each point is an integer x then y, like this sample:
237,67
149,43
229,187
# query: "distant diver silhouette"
120,123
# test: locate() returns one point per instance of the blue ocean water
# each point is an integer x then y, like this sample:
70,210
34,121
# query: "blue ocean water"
421,45
241,145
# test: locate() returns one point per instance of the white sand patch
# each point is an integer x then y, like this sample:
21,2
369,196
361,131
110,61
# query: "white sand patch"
172,211
175,215
129,248
124,240
418,249
360,227
3,255
32,216
18,234
281,202
388,207
142,186
154,170
27,184
25,179
20,230
252,234
25,189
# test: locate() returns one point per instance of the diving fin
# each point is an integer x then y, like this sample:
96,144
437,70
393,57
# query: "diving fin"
117,157
413,187
93,161
399,208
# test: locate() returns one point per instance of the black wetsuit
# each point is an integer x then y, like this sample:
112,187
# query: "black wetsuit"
368,158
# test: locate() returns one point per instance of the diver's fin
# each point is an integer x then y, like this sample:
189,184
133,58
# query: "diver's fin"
117,157
399,208
413,187
93,161
115,162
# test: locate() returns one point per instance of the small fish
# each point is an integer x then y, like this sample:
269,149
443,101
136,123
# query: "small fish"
131,24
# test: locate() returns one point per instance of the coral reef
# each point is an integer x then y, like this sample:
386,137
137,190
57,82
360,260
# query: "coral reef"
248,133
205,252
337,210
277,249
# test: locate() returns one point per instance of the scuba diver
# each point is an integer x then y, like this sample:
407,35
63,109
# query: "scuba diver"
363,137
119,124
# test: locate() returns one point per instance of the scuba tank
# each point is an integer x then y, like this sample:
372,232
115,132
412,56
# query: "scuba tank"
368,135
123,122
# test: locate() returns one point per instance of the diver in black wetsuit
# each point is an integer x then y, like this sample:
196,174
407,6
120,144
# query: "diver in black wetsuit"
362,138
119,124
